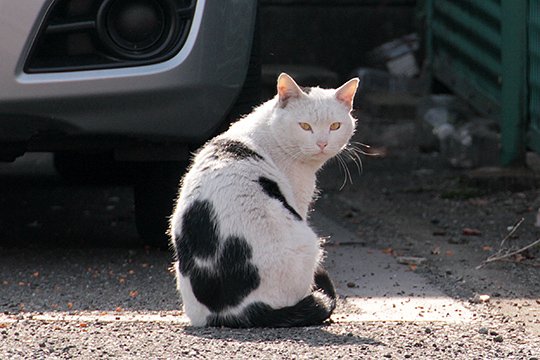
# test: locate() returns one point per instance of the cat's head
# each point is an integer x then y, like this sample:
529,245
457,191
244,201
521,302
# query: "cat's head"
313,124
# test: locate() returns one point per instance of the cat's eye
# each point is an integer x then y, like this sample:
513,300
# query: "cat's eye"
335,126
305,126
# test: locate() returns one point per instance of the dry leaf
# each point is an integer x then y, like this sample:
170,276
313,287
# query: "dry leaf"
519,258
411,260
471,232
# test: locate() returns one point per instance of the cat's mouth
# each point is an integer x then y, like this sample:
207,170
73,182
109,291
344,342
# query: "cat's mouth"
322,154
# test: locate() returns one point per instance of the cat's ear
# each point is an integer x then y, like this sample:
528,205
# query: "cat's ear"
346,92
287,89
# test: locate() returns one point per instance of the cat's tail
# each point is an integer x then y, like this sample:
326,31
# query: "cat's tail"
314,309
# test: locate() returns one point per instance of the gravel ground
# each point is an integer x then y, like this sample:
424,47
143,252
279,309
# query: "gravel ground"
31,339
74,284
413,204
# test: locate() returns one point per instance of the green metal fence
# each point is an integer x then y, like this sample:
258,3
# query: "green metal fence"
534,74
484,51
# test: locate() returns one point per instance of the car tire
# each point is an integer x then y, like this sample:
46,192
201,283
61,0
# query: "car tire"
155,191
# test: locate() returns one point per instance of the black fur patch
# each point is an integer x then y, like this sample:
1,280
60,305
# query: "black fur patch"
233,149
199,236
232,279
323,282
312,310
271,188
231,276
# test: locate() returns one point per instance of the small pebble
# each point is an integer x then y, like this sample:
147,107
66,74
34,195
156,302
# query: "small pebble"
494,333
498,339
427,330
483,331
479,299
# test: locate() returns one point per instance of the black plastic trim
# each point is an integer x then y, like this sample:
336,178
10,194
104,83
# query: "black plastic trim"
50,49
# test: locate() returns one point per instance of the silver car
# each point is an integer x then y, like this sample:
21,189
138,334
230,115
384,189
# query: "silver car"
124,86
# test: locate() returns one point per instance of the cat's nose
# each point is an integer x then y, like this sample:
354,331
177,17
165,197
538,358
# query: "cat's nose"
322,144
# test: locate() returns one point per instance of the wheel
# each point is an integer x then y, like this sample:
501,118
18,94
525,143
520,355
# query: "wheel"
155,191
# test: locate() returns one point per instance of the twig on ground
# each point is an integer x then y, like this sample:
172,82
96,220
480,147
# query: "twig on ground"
514,228
507,255
504,254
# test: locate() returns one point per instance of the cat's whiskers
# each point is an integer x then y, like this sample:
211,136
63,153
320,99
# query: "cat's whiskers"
291,155
290,162
354,155
358,147
350,153
347,173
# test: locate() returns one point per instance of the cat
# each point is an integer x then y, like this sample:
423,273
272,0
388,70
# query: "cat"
245,255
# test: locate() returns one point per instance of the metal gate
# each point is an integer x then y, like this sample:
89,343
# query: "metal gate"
480,49
534,75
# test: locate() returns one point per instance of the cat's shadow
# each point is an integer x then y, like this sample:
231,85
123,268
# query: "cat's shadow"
312,336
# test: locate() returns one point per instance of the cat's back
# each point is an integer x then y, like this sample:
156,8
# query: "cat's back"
229,161
236,179
223,167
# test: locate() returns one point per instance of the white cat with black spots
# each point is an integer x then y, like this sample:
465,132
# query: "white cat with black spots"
245,253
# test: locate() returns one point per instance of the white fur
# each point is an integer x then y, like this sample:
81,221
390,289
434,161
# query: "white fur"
286,251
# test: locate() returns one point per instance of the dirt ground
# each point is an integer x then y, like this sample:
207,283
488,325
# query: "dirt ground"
414,204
